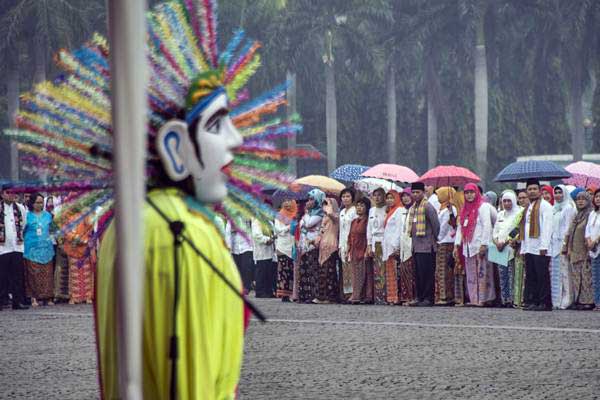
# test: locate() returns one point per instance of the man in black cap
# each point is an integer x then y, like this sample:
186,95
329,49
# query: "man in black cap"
424,230
535,234
12,222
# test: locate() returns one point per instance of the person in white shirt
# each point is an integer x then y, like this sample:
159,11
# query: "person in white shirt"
375,230
475,233
536,235
505,225
12,223
563,213
444,268
347,215
432,197
392,235
592,238
284,248
308,249
263,238
242,250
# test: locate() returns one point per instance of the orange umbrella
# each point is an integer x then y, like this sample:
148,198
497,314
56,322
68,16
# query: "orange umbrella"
324,183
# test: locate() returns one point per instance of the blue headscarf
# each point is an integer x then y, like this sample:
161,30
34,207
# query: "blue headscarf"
575,192
319,197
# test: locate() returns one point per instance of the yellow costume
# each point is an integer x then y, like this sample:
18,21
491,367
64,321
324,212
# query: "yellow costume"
209,317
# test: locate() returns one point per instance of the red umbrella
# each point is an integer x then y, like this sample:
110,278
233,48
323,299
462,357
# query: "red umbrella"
392,172
448,175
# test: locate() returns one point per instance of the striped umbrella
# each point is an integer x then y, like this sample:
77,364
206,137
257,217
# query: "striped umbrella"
532,169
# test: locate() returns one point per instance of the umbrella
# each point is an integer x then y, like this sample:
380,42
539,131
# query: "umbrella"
531,169
324,183
348,172
448,175
300,192
584,174
392,172
367,185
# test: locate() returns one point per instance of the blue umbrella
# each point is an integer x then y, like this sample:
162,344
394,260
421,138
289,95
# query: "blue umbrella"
348,172
288,194
532,169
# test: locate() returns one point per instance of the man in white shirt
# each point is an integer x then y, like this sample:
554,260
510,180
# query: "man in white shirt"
12,222
536,234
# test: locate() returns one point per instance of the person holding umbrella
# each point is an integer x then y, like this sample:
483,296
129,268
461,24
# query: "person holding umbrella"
536,234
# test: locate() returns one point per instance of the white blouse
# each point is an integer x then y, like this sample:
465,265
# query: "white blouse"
263,250
375,226
447,232
284,240
310,229
392,234
592,231
482,235
561,220
405,239
346,218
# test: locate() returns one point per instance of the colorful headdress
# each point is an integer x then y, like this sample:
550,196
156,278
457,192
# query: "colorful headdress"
64,125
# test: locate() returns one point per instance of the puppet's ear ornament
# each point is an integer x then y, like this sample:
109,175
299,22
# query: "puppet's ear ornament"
171,143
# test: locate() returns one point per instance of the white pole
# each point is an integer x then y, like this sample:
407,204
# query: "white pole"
127,31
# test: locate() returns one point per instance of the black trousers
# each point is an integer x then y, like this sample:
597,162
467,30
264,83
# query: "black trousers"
537,280
245,265
424,275
265,278
12,273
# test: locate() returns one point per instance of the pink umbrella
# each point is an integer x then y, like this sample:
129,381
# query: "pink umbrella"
392,172
583,174
448,175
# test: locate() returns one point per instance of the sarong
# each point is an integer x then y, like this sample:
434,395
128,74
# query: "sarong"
391,279
358,276
307,269
581,278
507,273
444,274
459,278
596,280
368,288
81,279
518,281
61,275
480,280
285,276
406,272
379,296
560,279
327,283
347,279
39,280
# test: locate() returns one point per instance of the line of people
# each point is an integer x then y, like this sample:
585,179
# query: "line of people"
38,266
535,248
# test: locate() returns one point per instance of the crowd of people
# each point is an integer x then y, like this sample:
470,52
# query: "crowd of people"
535,248
39,266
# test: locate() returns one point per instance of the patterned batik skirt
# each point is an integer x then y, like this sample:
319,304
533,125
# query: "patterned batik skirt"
81,279
596,279
39,280
61,275
346,279
379,275
406,272
359,277
519,281
480,280
581,280
327,286
391,280
560,279
444,274
507,273
307,269
285,276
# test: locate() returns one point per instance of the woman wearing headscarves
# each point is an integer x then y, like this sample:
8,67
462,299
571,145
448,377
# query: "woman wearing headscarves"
406,269
375,230
592,238
459,263
393,225
310,229
564,211
577,252
548,194
284,247
347,215
444,268
357,249
506,223
475,233
327,279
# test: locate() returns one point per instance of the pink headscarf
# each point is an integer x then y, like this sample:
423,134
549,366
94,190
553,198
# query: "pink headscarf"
470,212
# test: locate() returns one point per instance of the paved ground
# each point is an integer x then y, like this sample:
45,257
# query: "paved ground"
342,352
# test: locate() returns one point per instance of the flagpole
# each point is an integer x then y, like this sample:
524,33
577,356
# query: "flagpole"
127,32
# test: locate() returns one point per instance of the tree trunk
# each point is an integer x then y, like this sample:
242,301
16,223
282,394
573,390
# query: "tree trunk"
432,133
330,117
12,97
40,53
481,110
577,129
291,110
391,112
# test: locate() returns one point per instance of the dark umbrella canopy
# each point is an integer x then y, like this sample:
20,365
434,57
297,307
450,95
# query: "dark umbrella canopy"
298,193
532,169
348,172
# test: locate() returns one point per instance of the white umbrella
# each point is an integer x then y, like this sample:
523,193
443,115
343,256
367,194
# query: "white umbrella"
367,185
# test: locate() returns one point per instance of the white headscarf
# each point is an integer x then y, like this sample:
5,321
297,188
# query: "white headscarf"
507,219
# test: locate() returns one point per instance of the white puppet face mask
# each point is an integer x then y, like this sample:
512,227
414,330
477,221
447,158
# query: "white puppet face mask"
216,138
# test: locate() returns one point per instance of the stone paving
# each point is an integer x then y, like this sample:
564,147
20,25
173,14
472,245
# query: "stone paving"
341,352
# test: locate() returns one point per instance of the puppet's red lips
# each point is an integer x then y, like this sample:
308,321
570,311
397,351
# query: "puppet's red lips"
227,169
